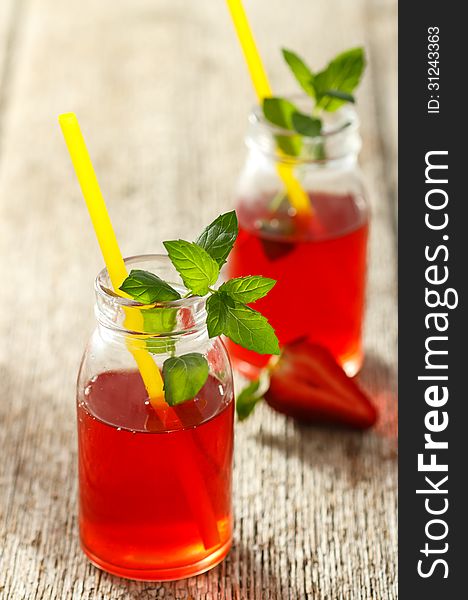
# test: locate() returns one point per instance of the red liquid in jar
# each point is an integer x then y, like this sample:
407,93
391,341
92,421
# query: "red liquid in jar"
135,519
319,263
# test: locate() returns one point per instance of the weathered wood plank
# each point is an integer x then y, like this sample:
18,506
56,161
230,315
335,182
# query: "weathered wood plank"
6,25
162,94
11,12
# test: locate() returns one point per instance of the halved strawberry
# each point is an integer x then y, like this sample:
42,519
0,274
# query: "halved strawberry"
308,384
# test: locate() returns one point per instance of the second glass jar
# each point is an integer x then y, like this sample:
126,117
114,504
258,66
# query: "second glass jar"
318,258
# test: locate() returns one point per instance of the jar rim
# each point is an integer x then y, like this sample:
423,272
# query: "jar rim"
103,290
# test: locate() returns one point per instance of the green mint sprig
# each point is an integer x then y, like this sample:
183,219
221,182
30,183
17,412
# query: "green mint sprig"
195,266
248,399
148,288
219,237
198,264
247,289
330,89
159,321
242,324
184,376
253,393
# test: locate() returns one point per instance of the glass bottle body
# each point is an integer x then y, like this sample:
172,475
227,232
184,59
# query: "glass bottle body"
318,258
155,482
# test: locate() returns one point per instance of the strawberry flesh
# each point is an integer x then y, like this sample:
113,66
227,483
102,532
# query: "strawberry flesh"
309,385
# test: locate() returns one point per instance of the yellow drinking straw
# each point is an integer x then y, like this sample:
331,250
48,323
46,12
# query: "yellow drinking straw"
298,198
194,487
109,247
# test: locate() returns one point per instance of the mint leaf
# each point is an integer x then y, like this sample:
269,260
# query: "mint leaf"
248,289
305,125
342,74
340,95
184,376
279,112
247,400
250,329
148,288
196,267
301,71
159,321
289,144
241,324
219,237
216,313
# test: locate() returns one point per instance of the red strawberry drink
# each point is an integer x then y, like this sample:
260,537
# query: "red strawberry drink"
318,258
130,523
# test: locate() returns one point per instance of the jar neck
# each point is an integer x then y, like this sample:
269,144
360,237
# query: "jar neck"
160,325
337,147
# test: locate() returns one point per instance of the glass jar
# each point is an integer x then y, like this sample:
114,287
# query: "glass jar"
155,482
317,258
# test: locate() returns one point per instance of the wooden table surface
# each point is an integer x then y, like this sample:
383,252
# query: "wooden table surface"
162,95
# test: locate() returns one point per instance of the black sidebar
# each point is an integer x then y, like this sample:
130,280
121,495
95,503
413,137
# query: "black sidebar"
433,274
